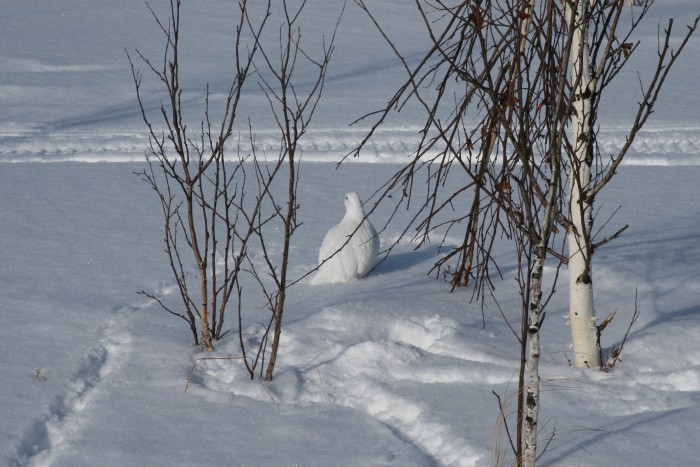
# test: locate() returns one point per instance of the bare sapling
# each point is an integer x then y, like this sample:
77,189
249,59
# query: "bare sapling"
188,171
219,203
293,106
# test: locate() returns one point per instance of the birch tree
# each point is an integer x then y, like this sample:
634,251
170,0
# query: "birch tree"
600,48
581,311
510,91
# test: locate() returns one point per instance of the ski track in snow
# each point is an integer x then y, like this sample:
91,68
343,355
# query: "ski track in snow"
62,420
652,146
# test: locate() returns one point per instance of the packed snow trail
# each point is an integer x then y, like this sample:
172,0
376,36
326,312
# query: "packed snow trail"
664,146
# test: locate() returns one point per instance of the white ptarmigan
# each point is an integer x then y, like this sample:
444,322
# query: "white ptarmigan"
357,256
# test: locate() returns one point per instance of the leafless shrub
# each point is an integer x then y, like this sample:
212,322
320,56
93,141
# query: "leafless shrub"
219,203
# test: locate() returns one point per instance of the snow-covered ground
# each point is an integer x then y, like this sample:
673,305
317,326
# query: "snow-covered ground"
390,370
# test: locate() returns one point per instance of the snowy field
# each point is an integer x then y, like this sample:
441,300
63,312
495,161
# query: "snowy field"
390,370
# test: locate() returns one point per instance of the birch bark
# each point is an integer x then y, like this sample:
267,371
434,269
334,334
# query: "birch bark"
581,310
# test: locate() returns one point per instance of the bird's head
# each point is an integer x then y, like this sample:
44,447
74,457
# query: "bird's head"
353,205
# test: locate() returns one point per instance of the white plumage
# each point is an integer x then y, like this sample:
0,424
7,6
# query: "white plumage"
357,256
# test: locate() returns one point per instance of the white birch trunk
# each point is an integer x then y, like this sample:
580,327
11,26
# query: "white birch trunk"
581,311
532,405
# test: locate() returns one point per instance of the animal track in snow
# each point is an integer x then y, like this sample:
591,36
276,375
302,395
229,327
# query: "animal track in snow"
366,375
62,419
375,374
